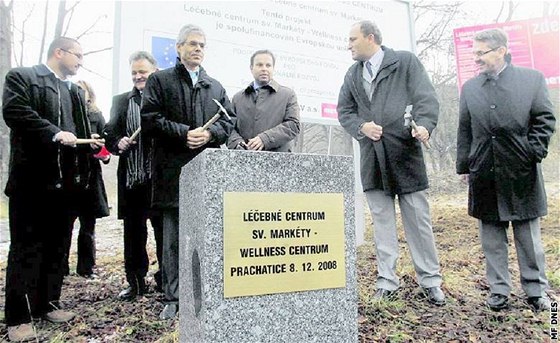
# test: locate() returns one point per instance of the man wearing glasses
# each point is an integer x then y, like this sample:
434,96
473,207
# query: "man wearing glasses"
176,103
48,170
505,123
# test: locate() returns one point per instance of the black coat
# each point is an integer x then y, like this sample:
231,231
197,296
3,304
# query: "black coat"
96,197
395,163
31,110
171,106
115,130
505,126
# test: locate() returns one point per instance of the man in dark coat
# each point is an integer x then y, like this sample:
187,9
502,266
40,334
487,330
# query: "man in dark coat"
371,107
177,102
48,170
134,178
505,124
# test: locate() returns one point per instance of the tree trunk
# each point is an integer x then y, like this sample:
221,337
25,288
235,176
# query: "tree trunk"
6,37
60,20
43,38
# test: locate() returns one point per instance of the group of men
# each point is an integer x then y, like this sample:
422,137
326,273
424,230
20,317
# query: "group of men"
506,120
155,129
46,114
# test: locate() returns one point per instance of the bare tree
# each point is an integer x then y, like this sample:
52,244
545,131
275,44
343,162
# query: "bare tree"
22,37
6,37
511,6
434,45
14,40
43,37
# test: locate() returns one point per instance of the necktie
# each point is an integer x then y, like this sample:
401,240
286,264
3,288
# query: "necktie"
368,67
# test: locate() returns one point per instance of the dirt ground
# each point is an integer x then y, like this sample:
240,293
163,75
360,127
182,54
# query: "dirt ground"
409,318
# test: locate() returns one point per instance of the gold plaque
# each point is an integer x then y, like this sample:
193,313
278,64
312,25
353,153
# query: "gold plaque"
283,242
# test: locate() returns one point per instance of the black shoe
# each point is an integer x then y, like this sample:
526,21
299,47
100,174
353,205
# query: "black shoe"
497,302
539,304
435,295
128,294
383,294
169,311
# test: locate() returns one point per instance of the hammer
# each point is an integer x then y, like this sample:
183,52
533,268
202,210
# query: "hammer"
409,122
216,116
89,140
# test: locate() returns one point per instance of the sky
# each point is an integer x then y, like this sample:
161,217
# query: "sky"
98,68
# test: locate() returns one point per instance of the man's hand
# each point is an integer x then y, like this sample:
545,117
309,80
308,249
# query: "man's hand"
255,143
421,134
99,142
124,144
197,138
464,178
372,131
66,138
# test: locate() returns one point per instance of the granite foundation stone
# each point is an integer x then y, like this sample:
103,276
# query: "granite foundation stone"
325,315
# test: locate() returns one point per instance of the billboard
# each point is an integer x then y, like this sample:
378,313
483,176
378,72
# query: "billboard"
309,40
533,44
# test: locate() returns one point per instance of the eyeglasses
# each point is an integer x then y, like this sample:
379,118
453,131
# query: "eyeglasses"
194,44
482,53
79,56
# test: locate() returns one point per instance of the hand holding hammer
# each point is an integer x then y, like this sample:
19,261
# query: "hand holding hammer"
409,122
198,137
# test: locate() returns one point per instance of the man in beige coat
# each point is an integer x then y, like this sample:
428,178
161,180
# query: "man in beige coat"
267,113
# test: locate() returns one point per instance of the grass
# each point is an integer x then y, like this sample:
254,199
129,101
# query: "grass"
464,318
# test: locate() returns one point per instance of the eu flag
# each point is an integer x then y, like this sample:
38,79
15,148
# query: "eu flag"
164,51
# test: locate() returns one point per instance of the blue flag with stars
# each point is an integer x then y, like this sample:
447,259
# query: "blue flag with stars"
164,51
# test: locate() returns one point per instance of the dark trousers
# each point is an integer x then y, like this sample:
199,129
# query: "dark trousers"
39,224
171,255
136,260
86,245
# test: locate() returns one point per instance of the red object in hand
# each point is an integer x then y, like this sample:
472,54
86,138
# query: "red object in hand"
102,154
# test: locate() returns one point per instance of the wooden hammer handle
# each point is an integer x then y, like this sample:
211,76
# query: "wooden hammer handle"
89,140
415,128
211,121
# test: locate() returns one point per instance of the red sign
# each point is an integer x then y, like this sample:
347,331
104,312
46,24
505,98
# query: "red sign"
328,110
532,43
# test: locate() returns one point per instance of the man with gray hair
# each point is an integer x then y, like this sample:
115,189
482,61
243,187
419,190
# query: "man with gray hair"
506,121
177,102
371,106
134,178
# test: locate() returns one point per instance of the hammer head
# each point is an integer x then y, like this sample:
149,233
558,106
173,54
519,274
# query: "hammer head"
407,116
222,109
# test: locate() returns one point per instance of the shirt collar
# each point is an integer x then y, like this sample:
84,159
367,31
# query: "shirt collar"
67,82
257,86
497,75
375,61
501,70
273,85
194,74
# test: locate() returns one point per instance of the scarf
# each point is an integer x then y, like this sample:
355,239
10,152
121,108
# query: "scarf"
137,167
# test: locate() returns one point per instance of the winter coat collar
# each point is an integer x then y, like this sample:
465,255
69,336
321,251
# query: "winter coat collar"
203,79
388,65
275,86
